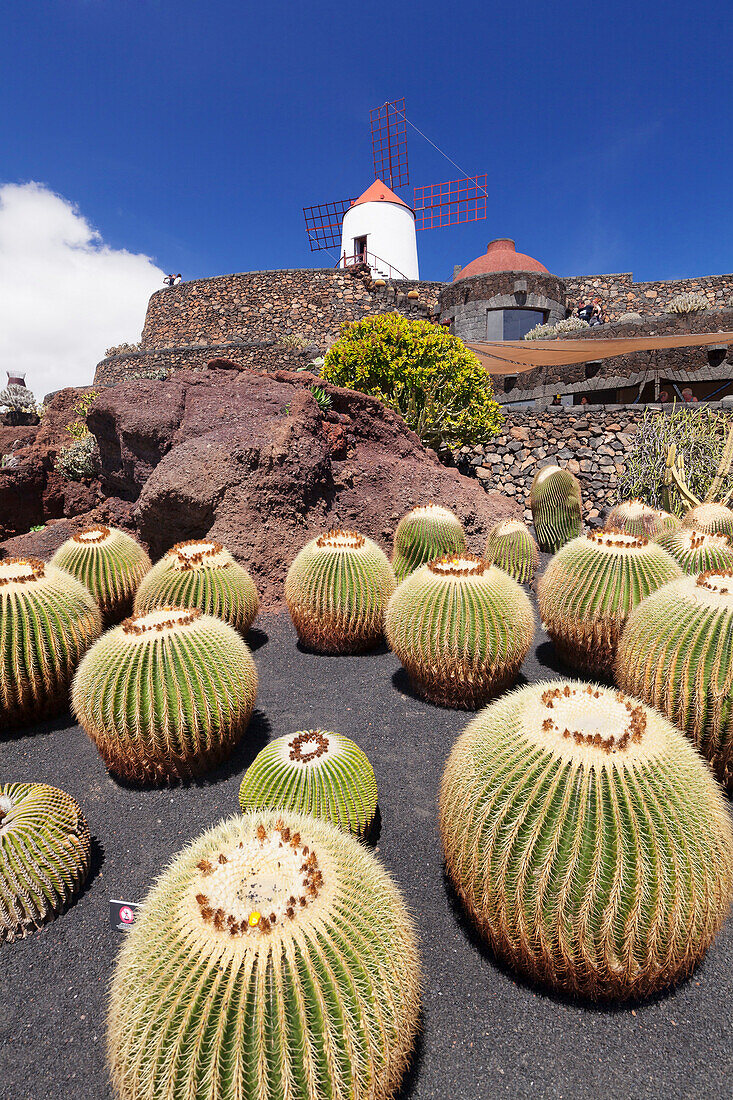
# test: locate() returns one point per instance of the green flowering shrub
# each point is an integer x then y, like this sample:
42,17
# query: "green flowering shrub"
422,372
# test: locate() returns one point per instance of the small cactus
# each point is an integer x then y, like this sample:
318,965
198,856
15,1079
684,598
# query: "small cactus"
274,958
166,695
557,507
337,591
461,628
715,519
313,772
688,302
424,534
587,839
109,562
48,620
44,855
675,654
201,573
590,587
696,551
637,518
511,547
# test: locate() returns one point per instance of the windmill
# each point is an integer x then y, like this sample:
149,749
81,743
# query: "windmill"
378,228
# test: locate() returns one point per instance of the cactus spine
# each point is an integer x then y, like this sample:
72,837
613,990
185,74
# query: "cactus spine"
461,628
109,562
423,535
697,552
557,508
587,839
47,622
274,958
676,653
337,591
637,518
44,855
713,519
590,587
313,772
510,546
201,573
166,695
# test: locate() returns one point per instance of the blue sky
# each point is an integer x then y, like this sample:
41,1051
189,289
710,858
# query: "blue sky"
194,132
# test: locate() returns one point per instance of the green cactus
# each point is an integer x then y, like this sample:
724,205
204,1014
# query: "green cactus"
587,839
109,562
48,620
44,855
461,628
337,591
714,519
274,958
313,772
696,551
676,653
166,695
511,547
637,518
590,587
557,507
201,573
424,534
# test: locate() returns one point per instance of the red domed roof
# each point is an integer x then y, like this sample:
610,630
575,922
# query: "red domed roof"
501,255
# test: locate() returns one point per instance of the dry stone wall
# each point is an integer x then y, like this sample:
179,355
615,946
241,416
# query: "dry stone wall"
620,294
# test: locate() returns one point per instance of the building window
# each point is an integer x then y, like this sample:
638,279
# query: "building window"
516,322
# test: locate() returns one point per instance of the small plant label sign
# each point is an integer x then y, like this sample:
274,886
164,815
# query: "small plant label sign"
122,915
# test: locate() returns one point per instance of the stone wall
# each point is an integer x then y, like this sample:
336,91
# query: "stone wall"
261,354
467,302
620,294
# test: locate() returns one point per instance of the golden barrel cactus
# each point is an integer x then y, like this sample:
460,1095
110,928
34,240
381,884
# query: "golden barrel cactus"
461,628
715,519
557,507
511,547
637,518
109,562
337,591
424,534
274,958
697,551
587,839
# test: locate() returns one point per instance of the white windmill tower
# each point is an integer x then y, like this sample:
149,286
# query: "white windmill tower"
379,230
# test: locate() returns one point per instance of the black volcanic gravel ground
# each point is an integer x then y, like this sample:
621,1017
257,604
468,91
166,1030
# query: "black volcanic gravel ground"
486,1034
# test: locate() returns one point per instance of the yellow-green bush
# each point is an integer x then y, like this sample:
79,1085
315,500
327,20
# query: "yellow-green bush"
427,375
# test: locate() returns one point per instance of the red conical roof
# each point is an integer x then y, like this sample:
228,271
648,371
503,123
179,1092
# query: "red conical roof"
501,255
379,192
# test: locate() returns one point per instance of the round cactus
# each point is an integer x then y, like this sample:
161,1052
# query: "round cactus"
587,839
47,622
166,695
637,518
337,591
695,551
461,628
511,547
590,587
423,535
676,653
313,772
714,519
201,574
557,508
274,958
110,563
44,855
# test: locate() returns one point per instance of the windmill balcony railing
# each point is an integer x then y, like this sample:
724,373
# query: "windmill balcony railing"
375,263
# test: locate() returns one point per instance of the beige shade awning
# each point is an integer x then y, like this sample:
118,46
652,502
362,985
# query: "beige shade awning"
516,356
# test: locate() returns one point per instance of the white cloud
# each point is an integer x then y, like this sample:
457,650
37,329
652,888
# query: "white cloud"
65,296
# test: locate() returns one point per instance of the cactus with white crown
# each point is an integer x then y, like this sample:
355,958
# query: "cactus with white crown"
712,518
274,958
313,772
676,653
109,562
637,518
44,855
48,620
166,695
337,591
201,573
589,589
587,839
697,551
688,302
461,628
424,534
557,507
511,547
